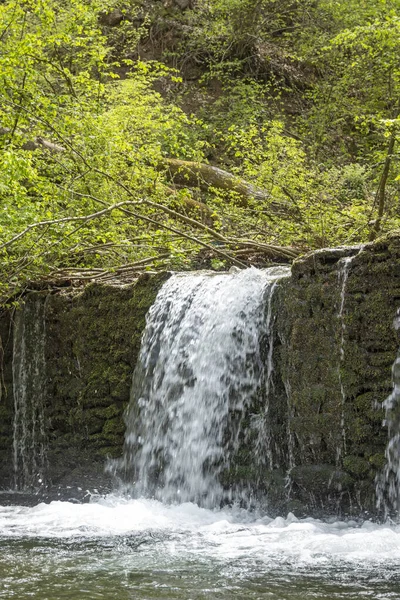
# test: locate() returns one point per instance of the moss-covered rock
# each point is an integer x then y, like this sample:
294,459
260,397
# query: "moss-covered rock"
92,343
334,345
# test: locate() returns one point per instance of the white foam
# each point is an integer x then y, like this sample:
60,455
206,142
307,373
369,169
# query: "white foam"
199,364
223,534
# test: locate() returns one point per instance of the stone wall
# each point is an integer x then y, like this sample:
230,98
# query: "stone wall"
337,368
92,342
332,370
6,400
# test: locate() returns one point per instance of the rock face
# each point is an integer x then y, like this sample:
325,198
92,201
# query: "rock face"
92,341
334,345
337,348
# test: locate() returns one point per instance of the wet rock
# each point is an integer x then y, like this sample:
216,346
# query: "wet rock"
326,431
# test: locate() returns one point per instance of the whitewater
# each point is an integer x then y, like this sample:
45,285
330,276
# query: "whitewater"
116,547
166,534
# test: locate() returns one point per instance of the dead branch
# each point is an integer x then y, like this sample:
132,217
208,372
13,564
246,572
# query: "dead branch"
196,174
286,251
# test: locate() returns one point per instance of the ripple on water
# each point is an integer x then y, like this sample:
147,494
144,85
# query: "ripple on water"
120,548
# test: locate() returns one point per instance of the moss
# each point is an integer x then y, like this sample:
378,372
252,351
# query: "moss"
320,478
357,466
5,418
114,428
109,452
94,340
377,461
110,411
237,474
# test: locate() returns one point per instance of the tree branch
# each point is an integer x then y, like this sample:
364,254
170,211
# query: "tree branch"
381,191
84,218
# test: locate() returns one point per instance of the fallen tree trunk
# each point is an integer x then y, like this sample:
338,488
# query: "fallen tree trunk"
190,174
195,174
36,143
193,208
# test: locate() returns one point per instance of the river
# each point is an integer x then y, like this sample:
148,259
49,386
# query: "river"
117,548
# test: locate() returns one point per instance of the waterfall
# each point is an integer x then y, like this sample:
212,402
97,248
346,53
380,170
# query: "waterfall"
343,275
388,482
199,369
29,382
261,421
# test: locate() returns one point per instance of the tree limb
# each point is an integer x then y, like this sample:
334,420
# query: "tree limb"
84,218
286,251
196,174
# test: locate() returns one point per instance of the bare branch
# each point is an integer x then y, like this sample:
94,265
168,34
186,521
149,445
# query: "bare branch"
84,218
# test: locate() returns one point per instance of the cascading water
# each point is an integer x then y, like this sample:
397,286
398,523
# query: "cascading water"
29,384
343,275
388,482
264,444
199,368
344,267
290,440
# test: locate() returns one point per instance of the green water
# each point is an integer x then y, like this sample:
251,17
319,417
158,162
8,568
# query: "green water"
118,569
194,555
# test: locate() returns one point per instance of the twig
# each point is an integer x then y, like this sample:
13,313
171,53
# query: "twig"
65,220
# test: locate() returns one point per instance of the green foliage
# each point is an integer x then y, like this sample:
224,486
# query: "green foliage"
298,99
109,136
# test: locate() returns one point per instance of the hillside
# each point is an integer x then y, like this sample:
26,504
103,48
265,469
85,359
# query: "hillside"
142,135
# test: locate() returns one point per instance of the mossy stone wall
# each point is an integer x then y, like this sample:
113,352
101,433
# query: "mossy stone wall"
332,371
6,400
92,343
337,371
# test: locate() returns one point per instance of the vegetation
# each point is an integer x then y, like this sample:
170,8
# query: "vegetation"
142,135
